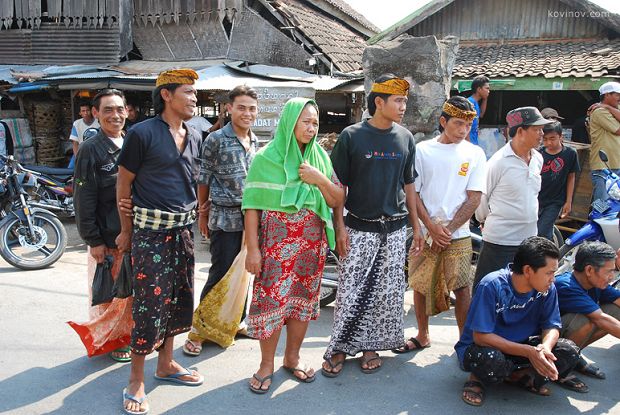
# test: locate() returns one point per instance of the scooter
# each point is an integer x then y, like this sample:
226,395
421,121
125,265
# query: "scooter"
603,220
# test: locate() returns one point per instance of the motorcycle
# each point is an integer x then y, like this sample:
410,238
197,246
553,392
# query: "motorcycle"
30,237
55,192
602,222
329,280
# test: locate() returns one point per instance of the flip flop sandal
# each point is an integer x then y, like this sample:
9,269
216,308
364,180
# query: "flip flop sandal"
333,366
293,370
366,361
590,370
196,348
573,383
120,359
259,390
468,387
140,401
417,346
527,382
176,378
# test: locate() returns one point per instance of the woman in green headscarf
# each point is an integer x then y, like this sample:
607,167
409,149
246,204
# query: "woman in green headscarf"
288,193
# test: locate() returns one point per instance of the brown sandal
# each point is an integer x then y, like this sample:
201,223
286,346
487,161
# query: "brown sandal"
468,387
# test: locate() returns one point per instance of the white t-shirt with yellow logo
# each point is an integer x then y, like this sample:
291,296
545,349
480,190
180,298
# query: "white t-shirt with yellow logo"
445,173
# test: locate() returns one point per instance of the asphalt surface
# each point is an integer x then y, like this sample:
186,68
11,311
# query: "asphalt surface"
44,369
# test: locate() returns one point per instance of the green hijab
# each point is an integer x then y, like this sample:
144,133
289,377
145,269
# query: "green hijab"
273,181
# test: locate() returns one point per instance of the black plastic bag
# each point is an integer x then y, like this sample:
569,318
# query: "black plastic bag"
103,284
123,287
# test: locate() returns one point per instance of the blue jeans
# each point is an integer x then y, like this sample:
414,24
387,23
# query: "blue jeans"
598,184
546,218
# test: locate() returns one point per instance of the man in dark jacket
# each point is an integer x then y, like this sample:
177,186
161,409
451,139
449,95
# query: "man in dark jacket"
97,217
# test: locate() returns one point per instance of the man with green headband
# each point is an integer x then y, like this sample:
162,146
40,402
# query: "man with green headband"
374,159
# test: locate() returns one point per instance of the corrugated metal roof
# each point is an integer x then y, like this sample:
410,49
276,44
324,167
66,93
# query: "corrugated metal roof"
146,67
223,78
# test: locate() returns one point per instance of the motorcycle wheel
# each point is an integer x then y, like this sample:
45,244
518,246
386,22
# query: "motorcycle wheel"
328,295
23,250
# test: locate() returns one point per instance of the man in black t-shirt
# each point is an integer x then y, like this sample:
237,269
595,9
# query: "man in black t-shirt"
560,165
158,167
375,160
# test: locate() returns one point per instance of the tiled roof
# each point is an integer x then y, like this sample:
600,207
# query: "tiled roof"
341,46
563,59
347,9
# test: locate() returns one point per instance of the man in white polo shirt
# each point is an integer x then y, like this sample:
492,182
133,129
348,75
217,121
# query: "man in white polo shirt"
509,207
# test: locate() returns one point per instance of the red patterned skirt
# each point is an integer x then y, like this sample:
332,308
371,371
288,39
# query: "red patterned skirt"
293,249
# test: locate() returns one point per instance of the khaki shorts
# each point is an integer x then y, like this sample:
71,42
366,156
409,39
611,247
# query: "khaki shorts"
573,322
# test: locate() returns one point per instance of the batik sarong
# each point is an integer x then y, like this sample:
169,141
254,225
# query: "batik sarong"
371,289
163,271
435,274
110,324
293,249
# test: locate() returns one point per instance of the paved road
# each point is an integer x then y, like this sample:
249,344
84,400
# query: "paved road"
43,368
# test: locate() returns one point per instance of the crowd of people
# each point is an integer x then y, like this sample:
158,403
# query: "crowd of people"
282,206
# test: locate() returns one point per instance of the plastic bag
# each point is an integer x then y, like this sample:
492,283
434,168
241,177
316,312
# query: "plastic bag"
217,317
103,283
123,286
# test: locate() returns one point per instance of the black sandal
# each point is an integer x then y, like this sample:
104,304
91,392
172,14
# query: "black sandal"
366,360
260,389
527,382
589,369
333,366
417,346
468,387
572,382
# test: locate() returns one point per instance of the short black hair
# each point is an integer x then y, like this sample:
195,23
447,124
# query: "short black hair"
85,104
555,126
459,102
372,107
534,252
478,82
242,90
106,93
512,131
158,102
594,253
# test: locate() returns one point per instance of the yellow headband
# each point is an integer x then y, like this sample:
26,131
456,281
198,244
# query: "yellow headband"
453,111
177,76
392,87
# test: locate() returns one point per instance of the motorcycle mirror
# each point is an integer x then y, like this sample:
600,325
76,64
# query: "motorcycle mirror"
603,156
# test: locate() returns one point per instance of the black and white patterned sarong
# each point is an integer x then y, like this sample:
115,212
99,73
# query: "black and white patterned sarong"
371,289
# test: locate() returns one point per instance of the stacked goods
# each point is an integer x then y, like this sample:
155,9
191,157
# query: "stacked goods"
328,141
23,147
46,116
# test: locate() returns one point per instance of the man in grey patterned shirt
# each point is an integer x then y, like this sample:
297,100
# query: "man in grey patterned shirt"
226,155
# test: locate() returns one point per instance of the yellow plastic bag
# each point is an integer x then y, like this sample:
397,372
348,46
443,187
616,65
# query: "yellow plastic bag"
217,317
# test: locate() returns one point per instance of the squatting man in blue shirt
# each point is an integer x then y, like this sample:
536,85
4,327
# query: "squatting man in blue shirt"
589,306
512,332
